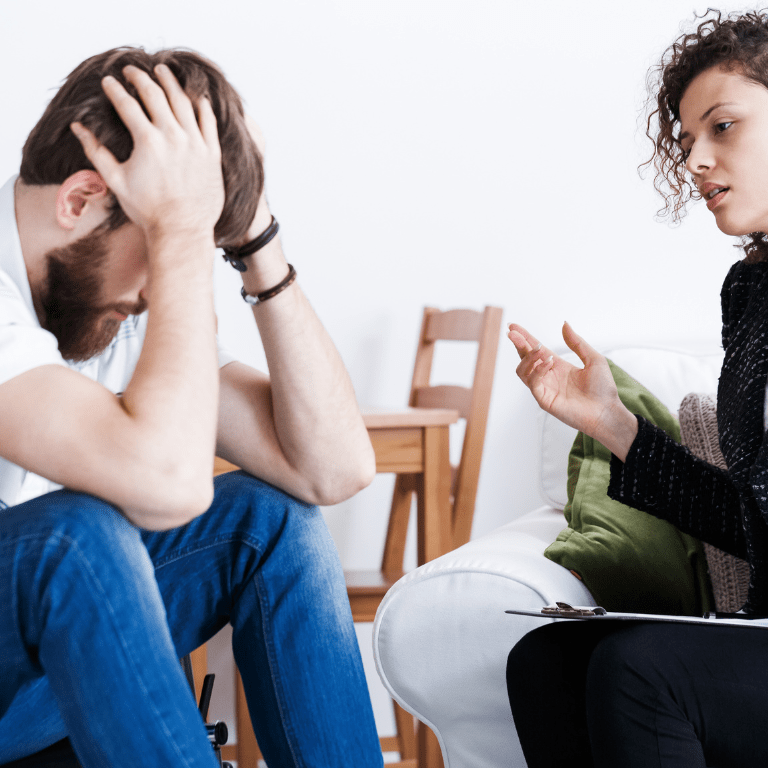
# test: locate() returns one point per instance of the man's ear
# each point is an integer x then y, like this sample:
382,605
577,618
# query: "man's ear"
76,195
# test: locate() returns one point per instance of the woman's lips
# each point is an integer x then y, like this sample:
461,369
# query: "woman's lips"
717,199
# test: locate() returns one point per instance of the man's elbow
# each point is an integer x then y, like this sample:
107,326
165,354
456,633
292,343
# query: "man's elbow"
194,502
345,481
174,503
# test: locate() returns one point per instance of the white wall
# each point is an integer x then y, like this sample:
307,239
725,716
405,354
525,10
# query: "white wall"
453,153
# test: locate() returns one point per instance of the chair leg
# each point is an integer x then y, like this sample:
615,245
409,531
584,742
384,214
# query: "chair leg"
199,659
248,752
394,544
430,755
406,732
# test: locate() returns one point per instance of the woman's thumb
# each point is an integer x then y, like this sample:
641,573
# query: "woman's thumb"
577,344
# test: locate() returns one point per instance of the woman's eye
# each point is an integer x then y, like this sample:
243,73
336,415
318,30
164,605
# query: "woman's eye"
720,127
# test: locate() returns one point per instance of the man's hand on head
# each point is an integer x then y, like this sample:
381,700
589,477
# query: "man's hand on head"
172,182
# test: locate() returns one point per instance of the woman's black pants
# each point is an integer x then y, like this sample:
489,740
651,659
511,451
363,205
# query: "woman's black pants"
614,694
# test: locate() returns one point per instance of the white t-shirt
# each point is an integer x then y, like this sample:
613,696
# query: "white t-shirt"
24,345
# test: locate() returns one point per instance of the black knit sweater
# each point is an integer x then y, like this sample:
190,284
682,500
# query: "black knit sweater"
726,509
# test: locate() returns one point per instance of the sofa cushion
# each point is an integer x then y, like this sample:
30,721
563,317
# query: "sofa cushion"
629,560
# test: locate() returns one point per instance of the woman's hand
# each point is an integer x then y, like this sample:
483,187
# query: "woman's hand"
585,398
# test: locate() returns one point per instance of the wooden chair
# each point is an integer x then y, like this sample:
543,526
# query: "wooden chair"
366,589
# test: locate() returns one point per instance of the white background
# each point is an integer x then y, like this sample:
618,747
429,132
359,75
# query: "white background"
454,153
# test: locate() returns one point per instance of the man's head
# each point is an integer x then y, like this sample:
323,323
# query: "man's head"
92,280
52,153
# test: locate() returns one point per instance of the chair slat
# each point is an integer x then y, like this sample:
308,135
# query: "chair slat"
455,325
445,396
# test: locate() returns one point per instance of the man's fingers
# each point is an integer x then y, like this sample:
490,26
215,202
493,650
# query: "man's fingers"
152,96
207,122
103,160
128,109
177,98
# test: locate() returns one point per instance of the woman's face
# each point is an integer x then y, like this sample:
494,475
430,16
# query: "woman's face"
724,130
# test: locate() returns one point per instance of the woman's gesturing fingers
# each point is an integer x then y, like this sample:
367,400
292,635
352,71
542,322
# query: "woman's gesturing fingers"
586,353
536,361
522,340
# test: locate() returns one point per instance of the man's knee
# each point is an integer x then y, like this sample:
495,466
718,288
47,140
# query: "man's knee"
241,486
293,531
257,508
65,521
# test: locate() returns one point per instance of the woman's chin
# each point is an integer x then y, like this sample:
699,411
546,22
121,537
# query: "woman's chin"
731,228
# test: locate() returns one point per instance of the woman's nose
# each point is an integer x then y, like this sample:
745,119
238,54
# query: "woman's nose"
700,158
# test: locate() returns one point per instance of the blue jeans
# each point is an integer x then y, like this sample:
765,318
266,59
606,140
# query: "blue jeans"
97,612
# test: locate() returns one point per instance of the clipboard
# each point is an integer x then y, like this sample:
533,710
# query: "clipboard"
597,613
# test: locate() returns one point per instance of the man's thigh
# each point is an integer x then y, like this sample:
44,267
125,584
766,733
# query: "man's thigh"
44,544
251,529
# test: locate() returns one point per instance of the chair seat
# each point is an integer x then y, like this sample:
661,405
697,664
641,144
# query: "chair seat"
370,582
366,589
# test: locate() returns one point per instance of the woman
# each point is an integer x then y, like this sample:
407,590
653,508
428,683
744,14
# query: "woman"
645,694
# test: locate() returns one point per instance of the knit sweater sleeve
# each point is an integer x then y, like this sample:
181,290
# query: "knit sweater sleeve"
665,479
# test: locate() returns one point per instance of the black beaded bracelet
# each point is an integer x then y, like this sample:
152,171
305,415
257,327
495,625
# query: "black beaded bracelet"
235,256
264,295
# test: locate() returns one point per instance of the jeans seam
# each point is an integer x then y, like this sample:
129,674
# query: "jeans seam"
81,555
276,681
220,539
255,544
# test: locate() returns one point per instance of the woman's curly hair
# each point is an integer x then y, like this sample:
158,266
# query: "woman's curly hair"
737,41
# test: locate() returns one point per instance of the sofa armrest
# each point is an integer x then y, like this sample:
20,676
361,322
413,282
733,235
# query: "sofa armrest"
441,637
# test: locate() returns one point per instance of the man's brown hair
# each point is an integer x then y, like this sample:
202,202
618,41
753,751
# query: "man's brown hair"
52,153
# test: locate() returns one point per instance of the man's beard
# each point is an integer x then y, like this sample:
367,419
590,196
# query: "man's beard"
70,300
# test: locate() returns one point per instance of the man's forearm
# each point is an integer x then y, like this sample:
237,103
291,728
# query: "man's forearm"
316,417
173,394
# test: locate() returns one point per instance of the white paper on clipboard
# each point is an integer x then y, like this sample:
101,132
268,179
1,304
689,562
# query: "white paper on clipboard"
592,613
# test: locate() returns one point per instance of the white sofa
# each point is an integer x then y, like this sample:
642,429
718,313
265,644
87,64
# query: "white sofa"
441,637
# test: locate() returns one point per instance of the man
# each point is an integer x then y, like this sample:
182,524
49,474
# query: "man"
116,554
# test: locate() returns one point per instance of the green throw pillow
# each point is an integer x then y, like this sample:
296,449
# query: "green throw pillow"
629,560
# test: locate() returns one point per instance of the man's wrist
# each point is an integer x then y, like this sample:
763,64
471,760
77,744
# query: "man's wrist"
265,268
260,223
182,246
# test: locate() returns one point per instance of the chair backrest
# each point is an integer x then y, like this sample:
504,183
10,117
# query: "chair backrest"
463,325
